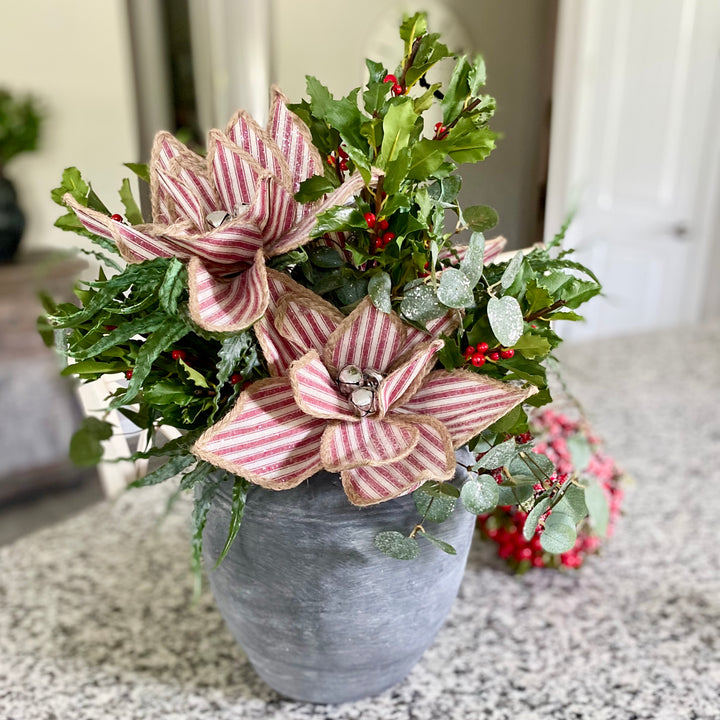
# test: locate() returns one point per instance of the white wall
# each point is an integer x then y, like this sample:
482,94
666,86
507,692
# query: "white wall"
74,56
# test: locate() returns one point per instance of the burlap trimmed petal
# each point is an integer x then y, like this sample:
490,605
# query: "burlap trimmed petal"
266,438
465,402
367,338
433,458
230,305
316,393
369,442
406,378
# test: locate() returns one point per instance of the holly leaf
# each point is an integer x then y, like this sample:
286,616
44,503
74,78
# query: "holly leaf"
466,143
532,346
314,188
336,218
375,96
398,125
140,169
412,27
132,211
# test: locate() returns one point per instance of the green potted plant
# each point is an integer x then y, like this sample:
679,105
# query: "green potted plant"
346,369
20,123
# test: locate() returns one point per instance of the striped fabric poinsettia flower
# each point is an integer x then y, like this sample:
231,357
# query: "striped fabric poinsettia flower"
224,213
355,395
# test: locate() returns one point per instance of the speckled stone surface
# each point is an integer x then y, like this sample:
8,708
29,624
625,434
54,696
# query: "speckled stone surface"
96,618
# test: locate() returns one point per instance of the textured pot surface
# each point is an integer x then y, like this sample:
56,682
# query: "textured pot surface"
12,221
323,615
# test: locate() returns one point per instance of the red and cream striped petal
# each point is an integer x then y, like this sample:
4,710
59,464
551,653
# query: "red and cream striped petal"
294,140
134,245
493,248
171,157
404,380
368,338
234,243
445,325
306,321
282,210
265,438
236,173
369,442
465,402
316,393
280,352
250,137
432,459
300,232
227,305
186,202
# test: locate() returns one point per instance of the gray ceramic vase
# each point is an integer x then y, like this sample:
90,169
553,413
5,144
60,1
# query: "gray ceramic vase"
322,615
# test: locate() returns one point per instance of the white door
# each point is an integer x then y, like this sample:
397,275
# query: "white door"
636,123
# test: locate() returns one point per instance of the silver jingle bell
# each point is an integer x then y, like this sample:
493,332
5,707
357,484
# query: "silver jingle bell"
349,378
363,399
372,378
217,217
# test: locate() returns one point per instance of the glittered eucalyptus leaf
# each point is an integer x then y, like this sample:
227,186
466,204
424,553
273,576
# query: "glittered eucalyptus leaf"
436,508
533,518
379,287
440,489
580,451
481,495
598,507
455,289
506,319
472,263
480,218
514,495
511,270
396,545
498,456
444,546
573,503
421,305
560,533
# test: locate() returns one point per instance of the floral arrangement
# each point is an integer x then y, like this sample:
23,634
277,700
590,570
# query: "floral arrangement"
575,451
20,124
299,302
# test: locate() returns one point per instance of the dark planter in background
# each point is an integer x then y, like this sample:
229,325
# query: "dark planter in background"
12,221
323,615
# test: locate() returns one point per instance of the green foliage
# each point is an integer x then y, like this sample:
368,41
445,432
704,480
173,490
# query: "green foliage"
480,495
20,123
85,444
396,545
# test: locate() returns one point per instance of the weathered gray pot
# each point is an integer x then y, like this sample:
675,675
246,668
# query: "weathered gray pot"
322,615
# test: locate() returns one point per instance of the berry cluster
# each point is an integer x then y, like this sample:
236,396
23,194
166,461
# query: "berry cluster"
382,236
504,525
338,159
397,88
479,354
440,131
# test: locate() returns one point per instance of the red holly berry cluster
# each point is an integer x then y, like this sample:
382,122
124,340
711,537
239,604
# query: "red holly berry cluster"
339,158
478,355
505,524
382,236
397,88
440,131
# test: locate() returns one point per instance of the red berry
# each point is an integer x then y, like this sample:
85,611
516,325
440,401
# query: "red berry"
482,347
331,160
246,384
478,359
128,374
383,224
178,354
537,561
469,350
116,217
370,219
343,165
342,153
440,129
390,78
110,328
388,237
494,356
235,378
507,354
375,243
397,89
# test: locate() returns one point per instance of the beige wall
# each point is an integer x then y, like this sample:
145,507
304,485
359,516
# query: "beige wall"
74,56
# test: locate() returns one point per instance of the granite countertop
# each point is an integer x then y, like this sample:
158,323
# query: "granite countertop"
97,619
